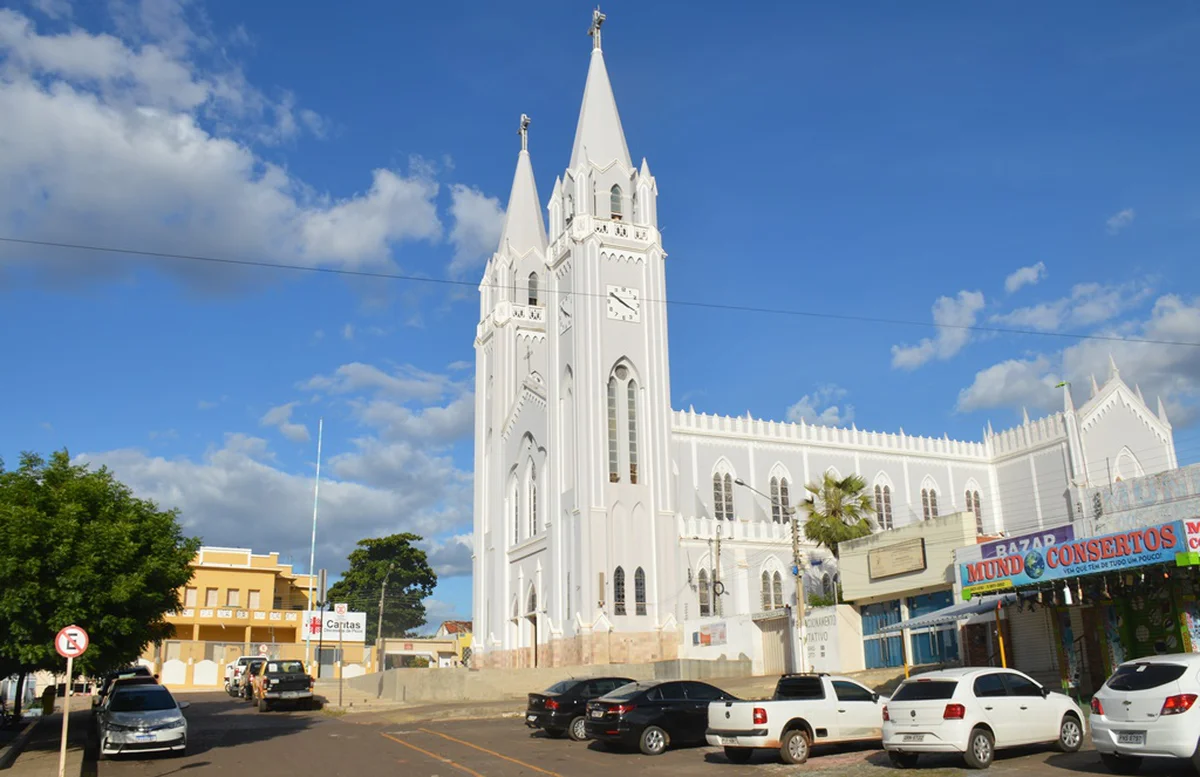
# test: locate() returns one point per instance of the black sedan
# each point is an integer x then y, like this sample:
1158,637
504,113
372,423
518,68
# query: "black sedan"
654,716
561,708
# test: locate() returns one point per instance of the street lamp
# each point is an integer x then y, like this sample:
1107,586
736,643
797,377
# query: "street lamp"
797,560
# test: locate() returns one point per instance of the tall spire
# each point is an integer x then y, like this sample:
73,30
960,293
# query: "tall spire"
524,227
1113,372
598,135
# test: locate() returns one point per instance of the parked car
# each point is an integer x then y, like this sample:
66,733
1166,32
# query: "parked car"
974,711
245,679
282,681
653,716
806,709
561,708
130,675
233,673
1145,711
142,719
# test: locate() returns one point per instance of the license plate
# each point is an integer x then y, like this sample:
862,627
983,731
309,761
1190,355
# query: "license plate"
729,740
597,713
913,738
1138,738
143,737
290,694
531,718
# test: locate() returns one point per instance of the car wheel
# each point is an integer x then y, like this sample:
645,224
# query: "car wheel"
653,741
981,749
795,746
1121,764
578,729
903,760
264,705
1070,734
555,733
738,755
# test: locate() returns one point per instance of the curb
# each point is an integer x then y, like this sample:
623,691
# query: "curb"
11,751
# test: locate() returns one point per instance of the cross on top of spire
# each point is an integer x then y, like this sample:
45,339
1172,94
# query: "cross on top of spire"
594,31
524,132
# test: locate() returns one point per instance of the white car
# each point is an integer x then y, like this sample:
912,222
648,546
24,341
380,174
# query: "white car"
142,719
974,711
1145,710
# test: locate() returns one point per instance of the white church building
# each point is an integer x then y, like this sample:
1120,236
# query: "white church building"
604,518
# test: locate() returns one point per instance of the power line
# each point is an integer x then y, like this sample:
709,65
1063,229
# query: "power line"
679,303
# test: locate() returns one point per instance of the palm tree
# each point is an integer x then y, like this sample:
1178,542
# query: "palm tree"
838,510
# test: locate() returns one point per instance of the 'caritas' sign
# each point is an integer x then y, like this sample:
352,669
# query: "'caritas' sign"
1087,556
353,626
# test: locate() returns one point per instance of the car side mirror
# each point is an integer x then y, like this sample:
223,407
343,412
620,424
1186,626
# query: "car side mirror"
875,697
183,705
1045,692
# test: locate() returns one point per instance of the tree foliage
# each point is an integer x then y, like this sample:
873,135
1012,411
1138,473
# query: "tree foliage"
409,580
838,510
77,547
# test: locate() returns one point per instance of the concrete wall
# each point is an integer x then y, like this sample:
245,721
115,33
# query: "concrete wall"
941,535
833,639
743,641
434,685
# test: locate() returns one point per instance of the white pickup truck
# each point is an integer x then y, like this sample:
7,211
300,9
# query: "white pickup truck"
806,710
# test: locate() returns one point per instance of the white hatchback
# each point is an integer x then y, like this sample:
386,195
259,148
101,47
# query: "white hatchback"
974,711
1146,710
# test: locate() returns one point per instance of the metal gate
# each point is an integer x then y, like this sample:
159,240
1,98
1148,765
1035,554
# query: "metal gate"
1034,651
775,634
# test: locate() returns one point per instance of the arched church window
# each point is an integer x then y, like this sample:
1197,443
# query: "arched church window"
533,288
532,600
722,496
614,197
929,503
533,500
516,512
631,389
974,507
777,589
780,499
614,465
619,591
883,507
766,590
705,599
639,591
570,209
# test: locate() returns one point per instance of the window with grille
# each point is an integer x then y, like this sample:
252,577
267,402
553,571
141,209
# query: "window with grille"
533,288
933,511
777,589
705,594
614,465
779,499
614,201
883,506
974,507
766,590
639,591
929,503
533,500
722,496
619,591
633,441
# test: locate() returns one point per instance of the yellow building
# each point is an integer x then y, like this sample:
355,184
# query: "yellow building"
237,602
460,632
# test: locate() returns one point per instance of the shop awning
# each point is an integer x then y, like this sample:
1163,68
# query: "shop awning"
951,614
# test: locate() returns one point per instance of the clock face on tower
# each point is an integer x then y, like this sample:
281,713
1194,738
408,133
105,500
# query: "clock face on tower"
624,304
564,314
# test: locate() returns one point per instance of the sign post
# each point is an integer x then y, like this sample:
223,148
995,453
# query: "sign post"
70,643
340,609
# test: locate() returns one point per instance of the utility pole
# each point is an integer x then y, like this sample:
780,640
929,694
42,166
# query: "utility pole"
382,591
718,588
797,560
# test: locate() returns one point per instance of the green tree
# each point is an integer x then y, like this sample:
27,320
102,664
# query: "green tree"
77,547
838,510
409,579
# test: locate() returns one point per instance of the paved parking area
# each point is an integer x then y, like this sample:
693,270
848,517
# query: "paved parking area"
231,737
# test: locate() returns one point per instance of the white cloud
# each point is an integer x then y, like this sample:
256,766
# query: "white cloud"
83,110
281,417
820,407
1012,384
478,220
348,332
55,9
1088,304
1118,221
952,315
450,557
1025,276
405,382
446,424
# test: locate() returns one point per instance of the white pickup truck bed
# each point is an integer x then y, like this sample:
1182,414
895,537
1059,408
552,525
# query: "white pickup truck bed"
807,709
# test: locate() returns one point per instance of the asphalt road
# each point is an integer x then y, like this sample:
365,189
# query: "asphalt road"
230,737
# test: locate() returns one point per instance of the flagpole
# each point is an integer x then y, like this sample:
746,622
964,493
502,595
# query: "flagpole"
312,552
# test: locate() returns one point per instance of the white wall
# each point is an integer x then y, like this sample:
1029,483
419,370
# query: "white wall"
942,536
742,635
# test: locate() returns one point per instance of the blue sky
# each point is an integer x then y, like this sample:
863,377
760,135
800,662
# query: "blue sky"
944,164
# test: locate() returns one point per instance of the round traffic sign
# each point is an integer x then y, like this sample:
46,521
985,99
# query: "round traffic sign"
263,650
71,642
340,608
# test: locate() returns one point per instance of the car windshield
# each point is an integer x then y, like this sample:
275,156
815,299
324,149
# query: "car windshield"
562,686
142,700
284,667
625,692
1144,676
925,690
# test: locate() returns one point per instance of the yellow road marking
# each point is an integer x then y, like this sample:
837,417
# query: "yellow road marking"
493,752
434,756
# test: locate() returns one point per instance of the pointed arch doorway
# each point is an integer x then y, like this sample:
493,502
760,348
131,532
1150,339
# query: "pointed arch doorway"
531,615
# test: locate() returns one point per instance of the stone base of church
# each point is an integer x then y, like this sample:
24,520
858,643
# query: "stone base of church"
610,647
